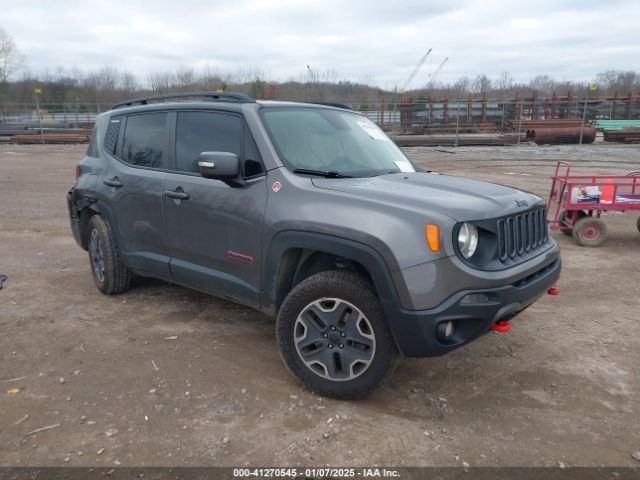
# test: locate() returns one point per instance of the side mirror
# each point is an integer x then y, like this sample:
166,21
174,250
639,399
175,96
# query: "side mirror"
223,166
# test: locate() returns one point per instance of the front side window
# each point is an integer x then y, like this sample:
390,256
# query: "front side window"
332,141
198,132
144,140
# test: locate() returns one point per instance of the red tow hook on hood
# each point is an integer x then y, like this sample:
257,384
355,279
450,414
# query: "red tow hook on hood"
501,327
553,291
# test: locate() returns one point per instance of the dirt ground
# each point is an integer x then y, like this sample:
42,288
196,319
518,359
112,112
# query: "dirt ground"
561,387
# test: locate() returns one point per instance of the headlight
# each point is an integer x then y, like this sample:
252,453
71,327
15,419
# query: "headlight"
468,240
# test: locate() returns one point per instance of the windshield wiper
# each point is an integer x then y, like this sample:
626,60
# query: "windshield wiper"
321,173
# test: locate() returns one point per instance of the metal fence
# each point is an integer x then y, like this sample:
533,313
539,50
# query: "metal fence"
436,115
430,116
58,115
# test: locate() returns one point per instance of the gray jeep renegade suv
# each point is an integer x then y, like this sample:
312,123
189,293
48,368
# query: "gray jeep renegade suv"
310,214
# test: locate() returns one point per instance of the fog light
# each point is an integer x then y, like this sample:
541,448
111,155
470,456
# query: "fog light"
445,330
473,298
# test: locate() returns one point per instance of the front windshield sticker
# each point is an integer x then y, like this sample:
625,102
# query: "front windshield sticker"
372,130
405,167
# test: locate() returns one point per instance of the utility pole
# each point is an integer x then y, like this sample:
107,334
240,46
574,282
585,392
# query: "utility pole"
457,121
520,124
37,92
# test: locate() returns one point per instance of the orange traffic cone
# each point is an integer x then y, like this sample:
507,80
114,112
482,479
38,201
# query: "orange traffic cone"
606,196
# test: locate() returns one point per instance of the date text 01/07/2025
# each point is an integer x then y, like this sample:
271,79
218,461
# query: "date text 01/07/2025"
315,472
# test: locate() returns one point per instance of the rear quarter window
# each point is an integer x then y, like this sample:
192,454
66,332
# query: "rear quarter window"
111,137
92,149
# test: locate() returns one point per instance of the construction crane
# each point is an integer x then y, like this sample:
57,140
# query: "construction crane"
312,76
409,79
413,73
432,78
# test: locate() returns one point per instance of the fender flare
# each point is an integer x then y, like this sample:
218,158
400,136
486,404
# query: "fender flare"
82,200
359,252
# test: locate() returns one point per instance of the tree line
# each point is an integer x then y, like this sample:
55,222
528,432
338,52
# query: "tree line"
109,84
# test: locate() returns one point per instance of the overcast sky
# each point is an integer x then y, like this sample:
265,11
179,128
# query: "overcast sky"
362,40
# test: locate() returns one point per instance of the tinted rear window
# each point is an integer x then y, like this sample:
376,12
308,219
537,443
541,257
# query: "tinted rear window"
145,139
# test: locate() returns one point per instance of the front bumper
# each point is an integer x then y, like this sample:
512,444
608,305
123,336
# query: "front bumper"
415,330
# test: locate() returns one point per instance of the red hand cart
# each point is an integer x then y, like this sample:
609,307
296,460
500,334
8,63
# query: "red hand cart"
577,201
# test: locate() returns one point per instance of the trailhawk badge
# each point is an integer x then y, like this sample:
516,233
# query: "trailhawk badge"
276,186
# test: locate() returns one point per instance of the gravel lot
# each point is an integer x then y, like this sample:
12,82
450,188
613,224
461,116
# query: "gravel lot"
165,376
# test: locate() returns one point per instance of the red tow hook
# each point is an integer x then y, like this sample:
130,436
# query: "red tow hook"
553,291
501,327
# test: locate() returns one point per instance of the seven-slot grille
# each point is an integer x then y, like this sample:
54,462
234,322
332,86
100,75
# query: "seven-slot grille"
519,234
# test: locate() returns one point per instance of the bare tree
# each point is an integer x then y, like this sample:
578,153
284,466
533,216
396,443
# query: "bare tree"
504,84
482,84
185,77
11,60
626,81
209,79
462,87
161,81
607,80
129,83
543,83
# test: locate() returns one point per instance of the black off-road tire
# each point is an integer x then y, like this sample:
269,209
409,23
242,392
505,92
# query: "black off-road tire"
114,277
590,232
353,290
638,224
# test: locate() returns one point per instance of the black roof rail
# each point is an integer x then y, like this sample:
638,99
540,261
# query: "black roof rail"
211,96
333,104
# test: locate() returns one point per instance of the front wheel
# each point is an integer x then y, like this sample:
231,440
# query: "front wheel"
333,336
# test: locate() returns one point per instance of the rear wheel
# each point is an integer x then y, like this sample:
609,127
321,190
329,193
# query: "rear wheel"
109,273
563,216
333,336
590,232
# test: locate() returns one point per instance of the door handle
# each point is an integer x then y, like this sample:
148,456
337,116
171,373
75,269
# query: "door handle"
113,182
177,195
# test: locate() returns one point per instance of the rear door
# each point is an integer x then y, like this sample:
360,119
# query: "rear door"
214,236
132,185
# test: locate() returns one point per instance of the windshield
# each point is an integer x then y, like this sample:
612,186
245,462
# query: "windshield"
333,141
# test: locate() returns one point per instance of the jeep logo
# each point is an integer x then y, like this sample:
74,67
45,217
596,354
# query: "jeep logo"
522,203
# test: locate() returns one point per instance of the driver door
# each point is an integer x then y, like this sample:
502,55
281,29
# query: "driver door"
214,231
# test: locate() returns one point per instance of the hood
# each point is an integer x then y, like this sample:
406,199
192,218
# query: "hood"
461,199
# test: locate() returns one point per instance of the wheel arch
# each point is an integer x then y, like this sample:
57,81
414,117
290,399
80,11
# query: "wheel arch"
86,206
296,255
